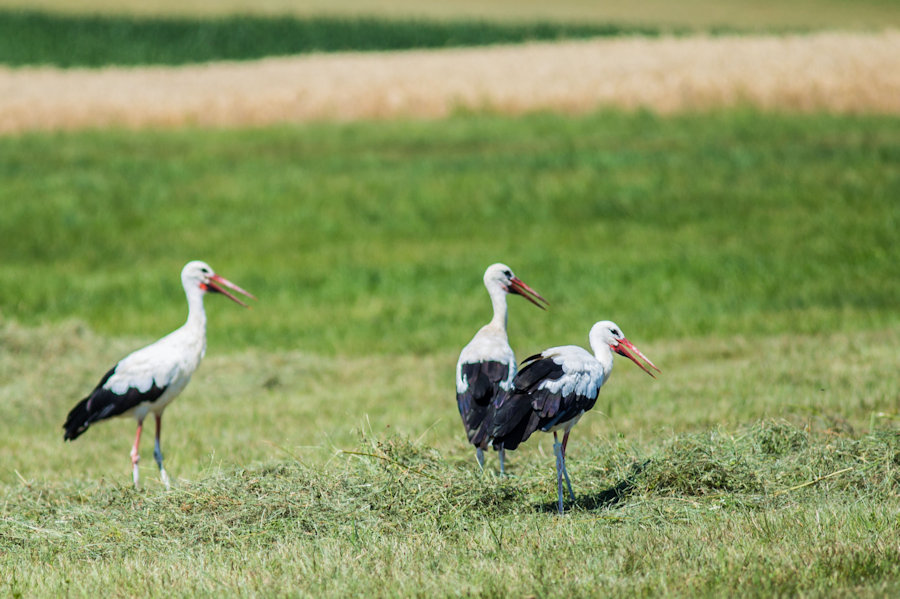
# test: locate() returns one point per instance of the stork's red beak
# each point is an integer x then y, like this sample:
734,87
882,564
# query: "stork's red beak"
628,350
216,283
518,287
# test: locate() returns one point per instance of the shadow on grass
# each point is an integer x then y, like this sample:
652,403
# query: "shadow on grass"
604,499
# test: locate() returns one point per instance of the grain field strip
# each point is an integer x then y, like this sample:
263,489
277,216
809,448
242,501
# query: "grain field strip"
840,72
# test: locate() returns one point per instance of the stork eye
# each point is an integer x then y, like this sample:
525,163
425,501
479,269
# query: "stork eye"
508,274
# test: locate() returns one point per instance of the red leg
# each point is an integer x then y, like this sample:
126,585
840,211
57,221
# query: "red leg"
135,454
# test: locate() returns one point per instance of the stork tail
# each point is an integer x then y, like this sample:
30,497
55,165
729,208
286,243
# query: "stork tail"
78,420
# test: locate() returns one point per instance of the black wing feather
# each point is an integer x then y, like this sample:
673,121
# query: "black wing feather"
537,370
103,403
514,418
527,408
475,402
507,423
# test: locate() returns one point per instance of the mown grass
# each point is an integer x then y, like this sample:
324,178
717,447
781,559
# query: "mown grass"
36,38
318,450
769,508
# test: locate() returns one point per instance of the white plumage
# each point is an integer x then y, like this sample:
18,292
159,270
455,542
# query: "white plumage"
487,364
490,344
168,364
148,379
554,389
583,373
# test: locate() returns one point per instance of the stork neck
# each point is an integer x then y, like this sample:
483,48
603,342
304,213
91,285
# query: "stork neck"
603,354
498,301
196,314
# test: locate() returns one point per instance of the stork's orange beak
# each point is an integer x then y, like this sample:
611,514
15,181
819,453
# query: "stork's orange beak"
217,283
627,349
518,287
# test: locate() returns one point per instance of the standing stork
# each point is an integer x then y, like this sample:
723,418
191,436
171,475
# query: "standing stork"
553,391
487,364
148,379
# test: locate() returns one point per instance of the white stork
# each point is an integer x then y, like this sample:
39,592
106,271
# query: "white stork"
487,364
553,391
148,379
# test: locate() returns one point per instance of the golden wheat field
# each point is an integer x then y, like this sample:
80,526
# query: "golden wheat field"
838,72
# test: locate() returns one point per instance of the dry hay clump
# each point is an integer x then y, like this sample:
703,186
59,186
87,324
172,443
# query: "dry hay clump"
774,458
840,72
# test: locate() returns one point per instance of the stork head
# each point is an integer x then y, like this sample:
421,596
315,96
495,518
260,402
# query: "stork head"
608,333
201,275
500,276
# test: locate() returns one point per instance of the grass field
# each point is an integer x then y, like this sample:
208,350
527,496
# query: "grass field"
728,223
758,14
69,38
318,450
34,38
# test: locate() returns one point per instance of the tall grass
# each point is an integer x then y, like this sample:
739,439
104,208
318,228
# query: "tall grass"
31,38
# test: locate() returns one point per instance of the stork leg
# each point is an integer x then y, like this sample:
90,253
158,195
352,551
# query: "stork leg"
479,455
135,455
502,454
560,466
157,452
565,471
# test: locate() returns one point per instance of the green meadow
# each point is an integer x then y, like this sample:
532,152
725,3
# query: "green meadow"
318,450
94,33
371,238
693,14
93,40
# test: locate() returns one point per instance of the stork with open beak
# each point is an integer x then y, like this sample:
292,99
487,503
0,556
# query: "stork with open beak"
148,379
553,391
487,364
